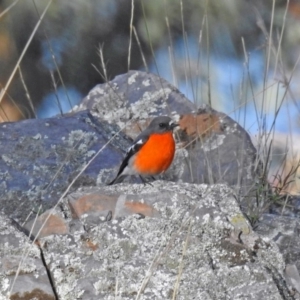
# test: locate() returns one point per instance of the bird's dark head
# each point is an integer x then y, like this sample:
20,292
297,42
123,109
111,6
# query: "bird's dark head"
162,124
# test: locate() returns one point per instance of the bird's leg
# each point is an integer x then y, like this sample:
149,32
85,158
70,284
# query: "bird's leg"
144,181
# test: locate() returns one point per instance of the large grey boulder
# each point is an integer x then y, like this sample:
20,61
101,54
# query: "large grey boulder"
187,240
212,147
135,96
23,274
284,231
40,158
135,241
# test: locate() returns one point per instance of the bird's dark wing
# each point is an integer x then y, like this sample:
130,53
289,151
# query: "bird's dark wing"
136,146
130,152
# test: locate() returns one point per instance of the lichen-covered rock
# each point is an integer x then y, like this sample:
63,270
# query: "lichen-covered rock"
284,231
135,96
211,147
216,149
22,272
197,245
39,159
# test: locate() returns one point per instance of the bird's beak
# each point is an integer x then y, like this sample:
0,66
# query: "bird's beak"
173,125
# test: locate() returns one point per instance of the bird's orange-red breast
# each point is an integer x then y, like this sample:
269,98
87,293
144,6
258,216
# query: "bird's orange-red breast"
156,155
152,152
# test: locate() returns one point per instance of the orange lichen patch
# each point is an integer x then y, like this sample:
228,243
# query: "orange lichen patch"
9,112
91,245
52,224
34,294
87,242
199,125
141,208
92,202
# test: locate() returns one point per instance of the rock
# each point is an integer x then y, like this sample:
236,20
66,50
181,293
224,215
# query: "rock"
46,224
192,241
293,278
216,149
135,97
22,271
40,158
284,231
212,148
133,240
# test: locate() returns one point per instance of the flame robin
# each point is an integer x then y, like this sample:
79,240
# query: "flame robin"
151,153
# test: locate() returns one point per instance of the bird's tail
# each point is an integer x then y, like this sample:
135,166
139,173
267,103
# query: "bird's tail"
118,179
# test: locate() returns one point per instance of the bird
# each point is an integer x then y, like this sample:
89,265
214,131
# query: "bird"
151,153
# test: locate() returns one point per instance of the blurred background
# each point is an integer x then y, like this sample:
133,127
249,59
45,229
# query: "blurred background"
239,56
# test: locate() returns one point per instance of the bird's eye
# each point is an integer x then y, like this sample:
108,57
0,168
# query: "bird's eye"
161,125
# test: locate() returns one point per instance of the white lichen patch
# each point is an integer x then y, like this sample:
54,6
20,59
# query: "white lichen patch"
6,159
117,115
37,136
213,142
131,79
79,136
90,153
146,82
162,93
4,283
206,219
96,91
